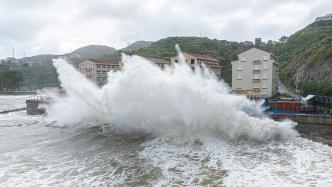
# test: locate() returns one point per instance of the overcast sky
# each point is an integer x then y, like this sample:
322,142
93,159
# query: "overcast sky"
59,26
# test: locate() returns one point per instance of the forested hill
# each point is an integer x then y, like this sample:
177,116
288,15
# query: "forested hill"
306,58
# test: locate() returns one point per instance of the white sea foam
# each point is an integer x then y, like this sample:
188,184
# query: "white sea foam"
142,97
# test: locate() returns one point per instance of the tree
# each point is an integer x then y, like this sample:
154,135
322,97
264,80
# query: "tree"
269,45
258,42
10,79
283,39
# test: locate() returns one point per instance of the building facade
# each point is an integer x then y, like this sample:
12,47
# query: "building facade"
255,74
97,70
193,58
160,62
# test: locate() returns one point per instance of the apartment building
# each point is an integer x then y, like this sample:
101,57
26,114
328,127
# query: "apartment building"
199,59
255,74
97,70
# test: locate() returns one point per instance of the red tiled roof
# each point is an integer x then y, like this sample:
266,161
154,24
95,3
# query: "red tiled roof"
97,61
201,56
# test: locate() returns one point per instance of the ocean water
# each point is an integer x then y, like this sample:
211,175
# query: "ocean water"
36,151
153,127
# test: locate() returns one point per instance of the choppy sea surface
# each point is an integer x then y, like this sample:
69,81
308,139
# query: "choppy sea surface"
36,151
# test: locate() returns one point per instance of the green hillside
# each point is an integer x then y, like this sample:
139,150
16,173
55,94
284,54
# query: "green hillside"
137,45
306,58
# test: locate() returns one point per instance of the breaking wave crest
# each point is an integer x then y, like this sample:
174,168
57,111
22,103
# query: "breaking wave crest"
144,98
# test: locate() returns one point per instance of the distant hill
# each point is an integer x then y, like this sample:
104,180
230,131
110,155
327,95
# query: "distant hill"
92,51
78,55
38,59
306,58
38,71
137,45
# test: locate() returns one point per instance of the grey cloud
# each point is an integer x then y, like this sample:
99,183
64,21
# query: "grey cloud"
40,26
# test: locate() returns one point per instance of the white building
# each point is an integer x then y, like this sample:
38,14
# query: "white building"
193,59
255,74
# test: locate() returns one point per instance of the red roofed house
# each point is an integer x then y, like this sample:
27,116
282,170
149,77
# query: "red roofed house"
97,70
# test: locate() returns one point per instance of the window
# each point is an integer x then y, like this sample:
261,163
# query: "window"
108,66
98,65
104,66
243,59
192,61
265,58
81,66
239,76
264,76
264,86
256,76
256,67
265,66
176,61
239,66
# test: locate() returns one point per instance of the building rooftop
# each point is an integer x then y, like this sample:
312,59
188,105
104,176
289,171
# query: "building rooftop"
201,56
252,49
97,61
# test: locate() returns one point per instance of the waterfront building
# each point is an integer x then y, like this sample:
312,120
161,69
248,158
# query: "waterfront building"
193,59
255,74
97,70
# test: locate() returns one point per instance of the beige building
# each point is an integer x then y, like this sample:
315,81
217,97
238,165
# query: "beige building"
193,58
160,62
97,70
255,74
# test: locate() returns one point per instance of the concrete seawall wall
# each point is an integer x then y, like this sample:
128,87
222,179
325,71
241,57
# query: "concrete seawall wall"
312,119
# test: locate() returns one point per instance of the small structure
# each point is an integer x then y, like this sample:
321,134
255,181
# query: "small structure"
255,74
318,104
34,104
97,70
326,17
193,59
